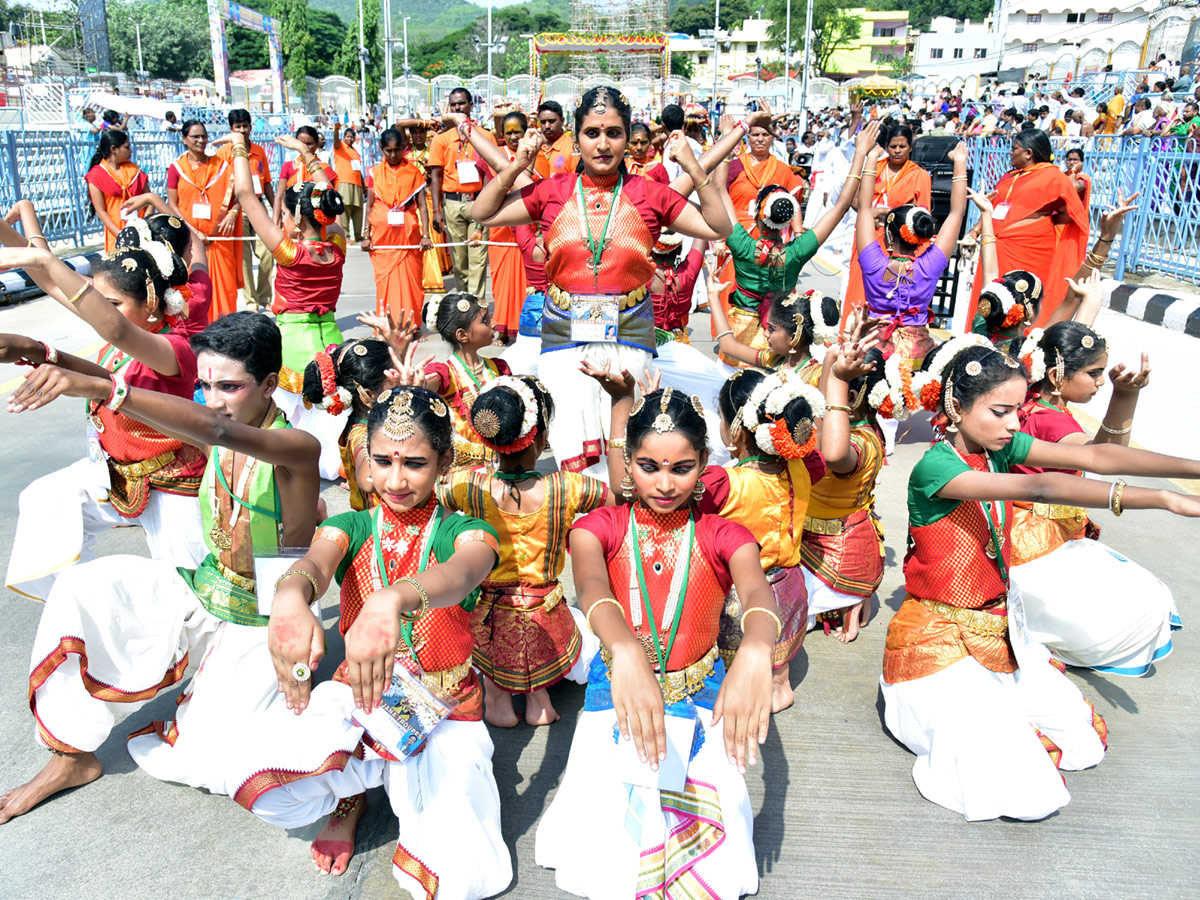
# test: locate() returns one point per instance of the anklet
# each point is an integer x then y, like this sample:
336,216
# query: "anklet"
346,805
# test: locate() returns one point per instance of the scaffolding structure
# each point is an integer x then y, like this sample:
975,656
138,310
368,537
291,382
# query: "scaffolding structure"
619,16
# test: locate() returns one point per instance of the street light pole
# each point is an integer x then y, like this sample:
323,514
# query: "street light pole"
787,61
387,56
807,58
362,60
716,58
406,69
137,27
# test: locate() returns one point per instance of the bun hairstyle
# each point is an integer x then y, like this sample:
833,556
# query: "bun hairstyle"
957,374
806,316
735,392
345,371
172,231
1037,142
910,225
247,338
666,410
1010,301
399,413
1066,348
450,313
863,385
510,412
141,268
781,415
599,100
775,206
319,203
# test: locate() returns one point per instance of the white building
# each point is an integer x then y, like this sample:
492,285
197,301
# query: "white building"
739,49
952,49
1055,37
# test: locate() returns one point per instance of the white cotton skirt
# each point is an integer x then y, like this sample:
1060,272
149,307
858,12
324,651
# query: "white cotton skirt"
588,834
320,424
978,734
823,598
445,797
523,355
581,407
1094,608
121,629
60,515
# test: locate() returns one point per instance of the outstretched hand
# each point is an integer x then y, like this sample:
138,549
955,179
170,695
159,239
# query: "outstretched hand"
405,372
615,384
1126,380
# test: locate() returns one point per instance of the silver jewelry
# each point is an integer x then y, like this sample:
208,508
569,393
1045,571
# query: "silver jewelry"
301,672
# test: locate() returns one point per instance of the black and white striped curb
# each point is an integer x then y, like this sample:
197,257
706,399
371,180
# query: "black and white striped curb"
16,285
1168,308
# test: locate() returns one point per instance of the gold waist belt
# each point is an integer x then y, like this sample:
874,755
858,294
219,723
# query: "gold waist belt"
824,526
494,595
144,467
1057,511
678,686
562,299
446,680
975,620
238,581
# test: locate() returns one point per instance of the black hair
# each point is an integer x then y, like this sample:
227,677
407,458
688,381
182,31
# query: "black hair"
436,428
356,364
1036,142
862,385
391,137
887,136
171,231
189,124
506,406
920,223
736,391
247,338
610,97
300,197
551,106
111,115
735,398
996,368
684,417
1078,151
239,117
110,139
777,211
639,126
450,318
129,238
788,312
308,131
135,280
520,117
1066,339
462,90
1026,289
672,117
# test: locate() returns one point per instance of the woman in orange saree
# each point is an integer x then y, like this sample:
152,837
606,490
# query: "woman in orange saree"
200,191
396,216
508,271
112,179
435,262
1040,222
900,183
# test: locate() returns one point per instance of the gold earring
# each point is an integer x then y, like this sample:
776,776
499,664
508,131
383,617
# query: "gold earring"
627,486
1058,374
698,491
954,417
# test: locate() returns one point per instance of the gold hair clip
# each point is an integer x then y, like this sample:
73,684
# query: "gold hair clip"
600,108
360,349
463,305
438,408
129,264
697,405
175,223
637,406
663,422
399,424
985,307
1022,285
973,368
487,423
1088,342
802,432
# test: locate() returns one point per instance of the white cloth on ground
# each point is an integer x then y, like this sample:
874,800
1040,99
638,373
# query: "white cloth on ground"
60,515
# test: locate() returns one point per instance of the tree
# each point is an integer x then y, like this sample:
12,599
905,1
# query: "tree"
175,41
691,19
833,28
347,57
899,65
328,33
682,66
295,39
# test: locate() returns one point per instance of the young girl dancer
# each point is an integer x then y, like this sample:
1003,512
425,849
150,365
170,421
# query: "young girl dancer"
1088,604
963,679
410,575
526,637
652,578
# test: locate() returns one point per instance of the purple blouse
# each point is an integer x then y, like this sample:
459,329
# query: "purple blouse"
910,295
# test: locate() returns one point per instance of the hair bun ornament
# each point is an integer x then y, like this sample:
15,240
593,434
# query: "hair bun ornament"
908,228
778,209
315,195
668,242
1033,356
927,384
823,332
431,312
1014,309
529,415
162,256
174,302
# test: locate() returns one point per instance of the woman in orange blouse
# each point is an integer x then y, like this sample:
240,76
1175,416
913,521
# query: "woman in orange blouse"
200,191
508,271
112,179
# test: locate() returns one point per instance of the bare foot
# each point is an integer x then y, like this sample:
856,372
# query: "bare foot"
539,710
782,695
498,706
854,618
62,772
334,846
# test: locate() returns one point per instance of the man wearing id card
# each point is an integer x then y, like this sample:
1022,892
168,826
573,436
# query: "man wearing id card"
256,292
456,177
348,164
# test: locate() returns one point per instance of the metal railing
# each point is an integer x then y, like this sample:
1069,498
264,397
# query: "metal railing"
47,167
1163,234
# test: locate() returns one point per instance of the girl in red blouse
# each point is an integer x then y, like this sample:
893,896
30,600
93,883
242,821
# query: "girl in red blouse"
652,578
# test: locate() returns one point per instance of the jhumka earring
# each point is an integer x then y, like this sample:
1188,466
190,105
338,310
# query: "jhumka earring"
1058,374
953,416
627,482
698,491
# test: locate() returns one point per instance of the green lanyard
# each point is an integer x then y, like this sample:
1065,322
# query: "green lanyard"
750,459
597,247
663,656
406,628
250,507
467,369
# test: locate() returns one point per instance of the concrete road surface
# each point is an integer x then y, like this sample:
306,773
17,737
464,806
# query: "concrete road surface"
836,812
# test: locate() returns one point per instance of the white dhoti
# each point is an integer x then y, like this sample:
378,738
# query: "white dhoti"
60,515
579,429
445,797
325,428
1093,607
121,629
822,598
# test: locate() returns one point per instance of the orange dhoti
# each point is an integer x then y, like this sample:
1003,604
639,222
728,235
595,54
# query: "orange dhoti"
204,193
399,274
508,283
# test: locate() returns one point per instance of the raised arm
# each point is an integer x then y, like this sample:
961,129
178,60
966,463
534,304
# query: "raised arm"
864,225
824,226
489,151
264,223
726,342
25,213
989,261
711,221
947,237
197,253
498,203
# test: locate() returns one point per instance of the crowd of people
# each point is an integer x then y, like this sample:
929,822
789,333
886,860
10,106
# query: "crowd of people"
715,510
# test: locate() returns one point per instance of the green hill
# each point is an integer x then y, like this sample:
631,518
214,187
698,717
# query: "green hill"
431,21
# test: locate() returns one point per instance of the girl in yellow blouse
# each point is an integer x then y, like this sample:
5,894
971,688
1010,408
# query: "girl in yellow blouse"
770,428
526,637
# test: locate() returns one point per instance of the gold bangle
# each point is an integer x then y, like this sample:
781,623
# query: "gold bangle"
871,172
595,606
38,237
705,183
1116,431
765,612
728,332
837,407
958,178
987,240
290,572
616,444
79,293
852,175
421,593
1114,497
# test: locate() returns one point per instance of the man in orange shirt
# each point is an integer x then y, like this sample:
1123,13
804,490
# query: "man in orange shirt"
348,165
255,292
456,177
555,155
